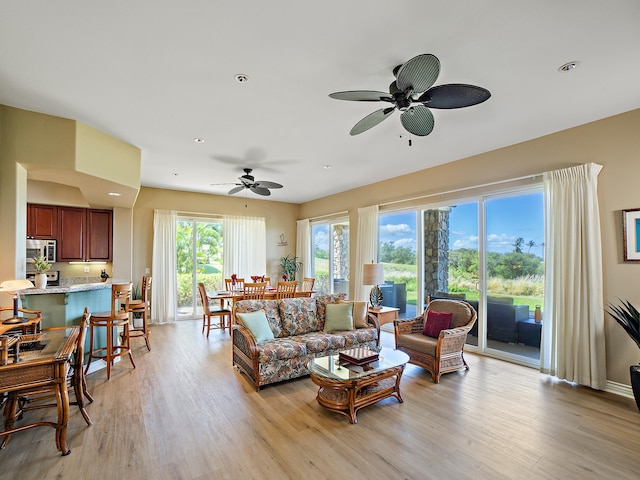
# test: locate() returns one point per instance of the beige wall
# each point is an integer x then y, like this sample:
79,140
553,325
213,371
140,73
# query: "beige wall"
280,219
613,142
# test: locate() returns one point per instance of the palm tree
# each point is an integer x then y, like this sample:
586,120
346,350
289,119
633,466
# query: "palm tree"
517,245
531,244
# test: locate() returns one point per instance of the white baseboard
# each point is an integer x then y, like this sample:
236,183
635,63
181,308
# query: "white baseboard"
619,389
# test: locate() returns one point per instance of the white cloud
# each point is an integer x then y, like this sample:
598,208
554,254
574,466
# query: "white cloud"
394,229
406,242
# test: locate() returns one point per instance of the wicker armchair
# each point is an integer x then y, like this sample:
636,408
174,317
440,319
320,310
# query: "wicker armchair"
438,355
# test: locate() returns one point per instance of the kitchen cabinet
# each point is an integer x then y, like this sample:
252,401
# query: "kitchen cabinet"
42,221
85,235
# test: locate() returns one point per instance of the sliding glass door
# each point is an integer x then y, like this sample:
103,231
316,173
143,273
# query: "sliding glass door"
398,247
330,263
199,259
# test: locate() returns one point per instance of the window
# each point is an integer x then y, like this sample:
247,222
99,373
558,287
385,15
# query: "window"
199,259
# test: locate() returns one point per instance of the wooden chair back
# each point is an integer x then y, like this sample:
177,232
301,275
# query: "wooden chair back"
307,284
286,289
228,284
120,298
254,291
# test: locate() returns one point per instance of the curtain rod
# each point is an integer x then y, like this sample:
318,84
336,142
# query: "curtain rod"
456,190
336,214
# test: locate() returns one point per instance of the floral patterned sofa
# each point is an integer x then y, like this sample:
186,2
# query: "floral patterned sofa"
297,325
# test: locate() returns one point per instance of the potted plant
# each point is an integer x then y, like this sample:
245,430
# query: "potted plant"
629,318
41,266
290,265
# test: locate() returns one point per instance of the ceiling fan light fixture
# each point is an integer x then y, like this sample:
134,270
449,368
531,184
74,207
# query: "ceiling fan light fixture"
567,67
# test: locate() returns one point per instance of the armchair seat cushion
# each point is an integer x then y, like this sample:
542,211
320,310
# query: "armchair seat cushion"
418,343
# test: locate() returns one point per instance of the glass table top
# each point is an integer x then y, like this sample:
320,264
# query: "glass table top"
331,367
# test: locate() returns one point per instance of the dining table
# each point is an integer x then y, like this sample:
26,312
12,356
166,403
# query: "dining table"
235,296
36,361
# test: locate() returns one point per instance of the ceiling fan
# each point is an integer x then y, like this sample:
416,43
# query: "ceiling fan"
413,94
249,182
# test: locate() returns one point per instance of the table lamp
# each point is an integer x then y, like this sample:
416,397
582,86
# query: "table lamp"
373,274
13,287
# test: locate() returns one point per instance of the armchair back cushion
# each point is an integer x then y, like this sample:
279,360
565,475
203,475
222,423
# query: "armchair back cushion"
462,312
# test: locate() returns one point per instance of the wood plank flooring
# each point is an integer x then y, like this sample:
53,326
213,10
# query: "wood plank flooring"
185,413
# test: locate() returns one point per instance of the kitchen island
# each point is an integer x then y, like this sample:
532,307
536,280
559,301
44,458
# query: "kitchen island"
62,306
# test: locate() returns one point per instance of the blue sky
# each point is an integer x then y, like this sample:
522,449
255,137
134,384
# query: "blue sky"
507,219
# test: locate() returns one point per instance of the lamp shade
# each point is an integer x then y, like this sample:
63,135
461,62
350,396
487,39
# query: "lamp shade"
372,274
12,286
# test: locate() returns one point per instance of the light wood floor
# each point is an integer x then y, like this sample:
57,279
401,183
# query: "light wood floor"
184,413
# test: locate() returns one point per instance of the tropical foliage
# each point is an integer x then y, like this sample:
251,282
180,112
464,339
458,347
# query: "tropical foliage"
628,317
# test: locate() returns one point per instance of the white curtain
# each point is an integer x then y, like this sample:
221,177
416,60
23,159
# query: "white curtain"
303,247
245,246
163,298
573,346
366,248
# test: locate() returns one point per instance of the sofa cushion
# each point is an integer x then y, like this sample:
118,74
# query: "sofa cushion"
298,315
280,349
321,303
257,323
436,322
339,316
359,336
271,311
320,342
360,313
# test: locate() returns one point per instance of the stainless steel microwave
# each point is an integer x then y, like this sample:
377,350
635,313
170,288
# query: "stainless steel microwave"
44,248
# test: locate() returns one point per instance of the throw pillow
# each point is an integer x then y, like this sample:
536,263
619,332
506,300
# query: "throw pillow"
436,322
360,313
339,316
257,324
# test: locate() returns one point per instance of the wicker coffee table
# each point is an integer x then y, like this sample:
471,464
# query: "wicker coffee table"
346,388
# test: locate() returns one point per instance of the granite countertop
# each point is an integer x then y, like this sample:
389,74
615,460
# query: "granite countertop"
80,287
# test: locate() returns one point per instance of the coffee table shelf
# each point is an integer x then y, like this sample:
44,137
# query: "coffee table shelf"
345,389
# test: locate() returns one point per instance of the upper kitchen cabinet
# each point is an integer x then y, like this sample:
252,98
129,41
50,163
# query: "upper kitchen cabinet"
42,221
85,235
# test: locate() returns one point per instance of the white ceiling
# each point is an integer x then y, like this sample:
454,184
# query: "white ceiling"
158,74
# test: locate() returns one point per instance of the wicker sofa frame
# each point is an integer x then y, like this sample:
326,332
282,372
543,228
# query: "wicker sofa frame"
249,356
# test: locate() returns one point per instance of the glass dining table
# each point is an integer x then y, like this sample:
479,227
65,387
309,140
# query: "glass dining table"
37,360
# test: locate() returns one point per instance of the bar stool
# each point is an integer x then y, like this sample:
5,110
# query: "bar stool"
117,317
142,306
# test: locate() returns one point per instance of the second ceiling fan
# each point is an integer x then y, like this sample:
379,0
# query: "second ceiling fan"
413,94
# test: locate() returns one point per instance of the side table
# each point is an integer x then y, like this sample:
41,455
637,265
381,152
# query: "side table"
385,314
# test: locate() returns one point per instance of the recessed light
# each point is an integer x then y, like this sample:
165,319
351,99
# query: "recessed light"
114,194
241,78
198,140
401,136
567,67
326,167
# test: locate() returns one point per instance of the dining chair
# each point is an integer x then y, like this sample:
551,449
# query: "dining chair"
229,286
221,311
254,291
117,318
141,306
286,289
307,284
23,401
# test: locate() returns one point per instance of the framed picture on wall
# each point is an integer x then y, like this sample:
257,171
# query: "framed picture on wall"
631,235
